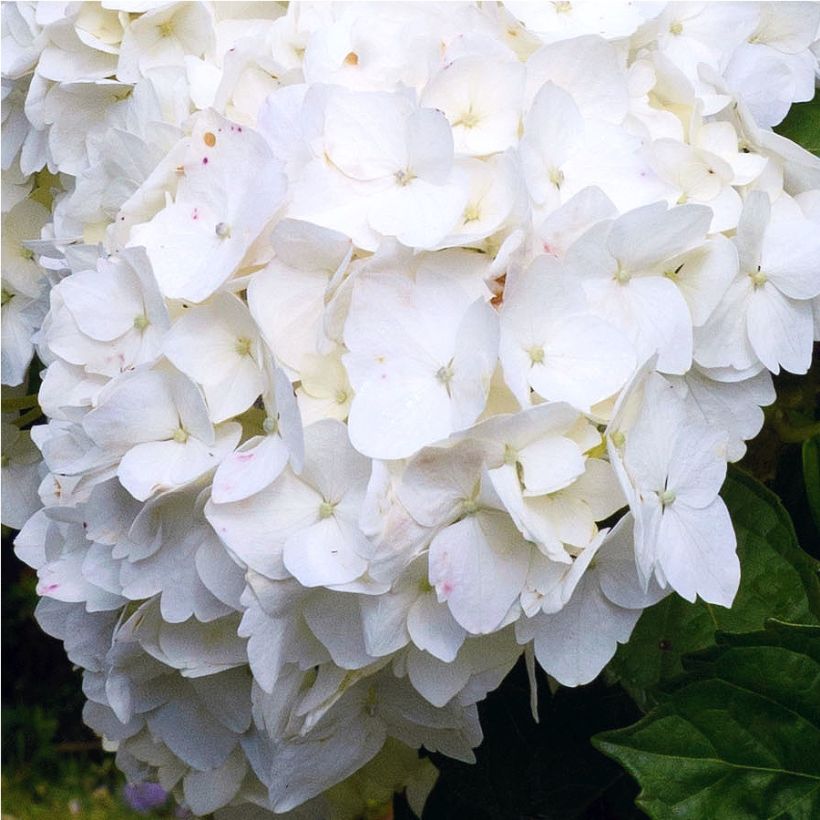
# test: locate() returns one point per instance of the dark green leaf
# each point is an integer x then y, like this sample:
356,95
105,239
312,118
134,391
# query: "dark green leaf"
739,735
778,580
811,475
802,125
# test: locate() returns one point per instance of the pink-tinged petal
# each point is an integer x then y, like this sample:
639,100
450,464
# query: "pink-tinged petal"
249,469
478,567
256,528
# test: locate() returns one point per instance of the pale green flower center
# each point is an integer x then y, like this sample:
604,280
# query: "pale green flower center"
469,119
758,278
445,374
470,506
666,497
621,276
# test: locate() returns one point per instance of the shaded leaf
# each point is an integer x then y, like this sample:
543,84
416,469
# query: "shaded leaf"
802,125
811,476
739,735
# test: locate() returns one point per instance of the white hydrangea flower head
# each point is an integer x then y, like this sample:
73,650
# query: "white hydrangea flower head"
381,345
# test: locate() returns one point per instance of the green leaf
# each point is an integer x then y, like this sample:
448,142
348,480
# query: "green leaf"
811,476
739,735
802,125
778,580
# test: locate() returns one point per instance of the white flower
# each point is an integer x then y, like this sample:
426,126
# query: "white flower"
230,187
352,320
158,422
305,526
417,380
551,343
599,610
766,314
675,465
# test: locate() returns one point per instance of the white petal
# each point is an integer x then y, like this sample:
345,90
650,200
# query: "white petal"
325,553
696,551
433,629
249,469
435,680
478,566
781,330
575,644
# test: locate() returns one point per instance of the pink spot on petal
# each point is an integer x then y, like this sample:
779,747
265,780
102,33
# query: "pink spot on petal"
245,456
204,160
447,587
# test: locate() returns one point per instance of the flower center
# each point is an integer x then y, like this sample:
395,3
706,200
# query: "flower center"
326,509
758,278
621,276
445,374
469,119
404,177
666,497
471,214
141,322
180,435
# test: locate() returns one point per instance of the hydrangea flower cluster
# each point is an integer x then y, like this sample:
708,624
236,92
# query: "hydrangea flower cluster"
384,343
